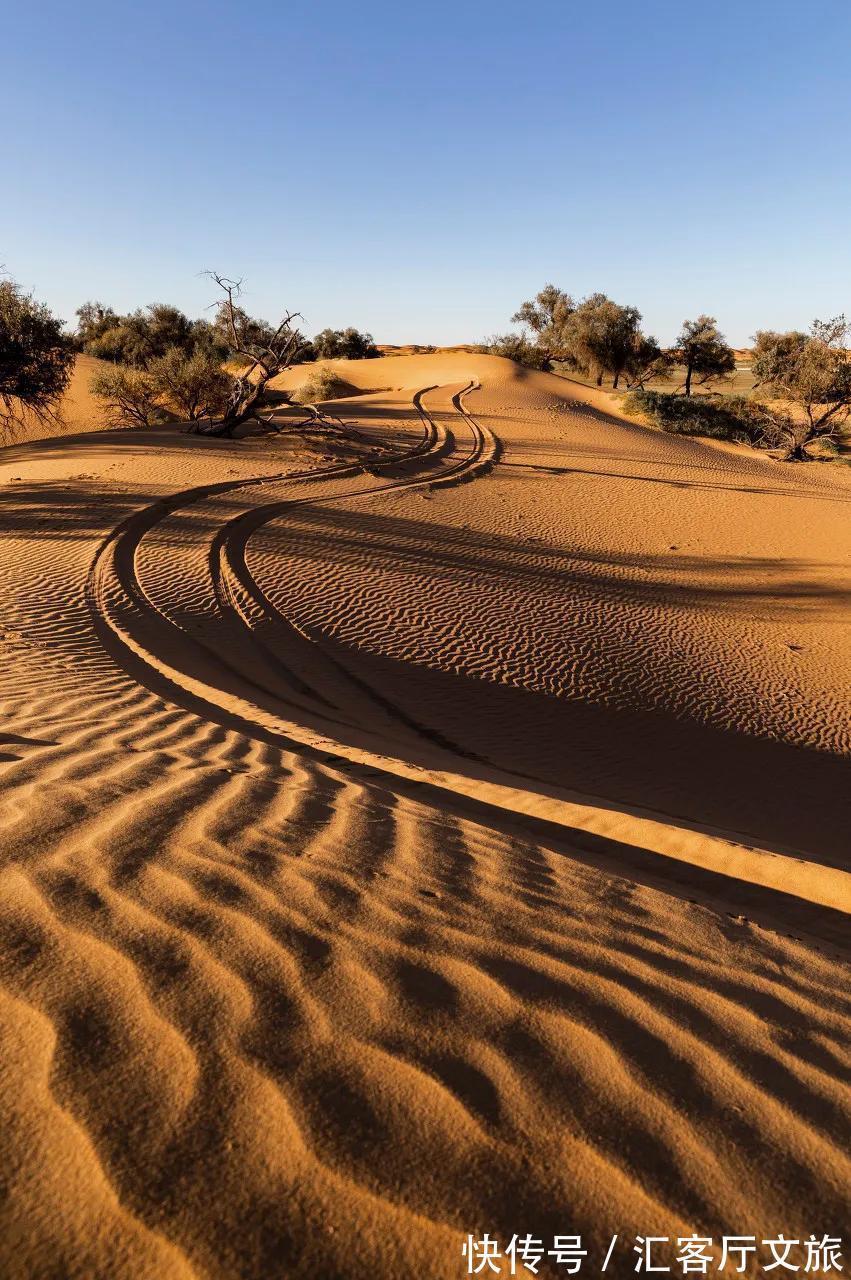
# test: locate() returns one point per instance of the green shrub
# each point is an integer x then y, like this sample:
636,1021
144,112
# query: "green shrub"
322,383
194,386
36,359
514,346
736,418
344,344
129,396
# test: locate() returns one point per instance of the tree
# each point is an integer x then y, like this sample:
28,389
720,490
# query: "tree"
546,315
36,359
703,351
93,321
601,336
195,385
813,371
344,344
265,352
129,396
145,335
646,361
142,336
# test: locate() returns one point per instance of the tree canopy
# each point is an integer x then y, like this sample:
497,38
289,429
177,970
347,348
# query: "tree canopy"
812,371
344,344
145,335
36,357
703,351
596,335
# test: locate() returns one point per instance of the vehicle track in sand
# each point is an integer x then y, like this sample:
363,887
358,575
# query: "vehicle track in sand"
141,608
268,1009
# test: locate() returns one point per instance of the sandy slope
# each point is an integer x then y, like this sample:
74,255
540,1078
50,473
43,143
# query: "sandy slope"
454,840
78,409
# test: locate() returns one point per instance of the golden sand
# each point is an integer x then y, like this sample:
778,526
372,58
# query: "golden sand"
451,839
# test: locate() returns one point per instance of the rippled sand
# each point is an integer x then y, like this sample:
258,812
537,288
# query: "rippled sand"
443,836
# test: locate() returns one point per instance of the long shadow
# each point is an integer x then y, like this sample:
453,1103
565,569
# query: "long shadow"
765,792
772,792
641,773
670,483
336,534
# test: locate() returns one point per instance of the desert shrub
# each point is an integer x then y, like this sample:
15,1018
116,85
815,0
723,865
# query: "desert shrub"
322,383
344,344
129,397
516,347
36,358
194,386
736,418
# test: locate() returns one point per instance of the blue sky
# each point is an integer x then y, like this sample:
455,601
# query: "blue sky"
417,170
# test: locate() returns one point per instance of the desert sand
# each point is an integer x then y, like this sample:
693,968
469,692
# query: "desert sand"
448,836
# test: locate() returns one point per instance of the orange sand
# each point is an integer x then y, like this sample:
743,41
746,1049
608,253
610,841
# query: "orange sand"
451,839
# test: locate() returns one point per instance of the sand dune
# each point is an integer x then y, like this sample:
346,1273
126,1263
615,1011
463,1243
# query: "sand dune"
444,836
78,409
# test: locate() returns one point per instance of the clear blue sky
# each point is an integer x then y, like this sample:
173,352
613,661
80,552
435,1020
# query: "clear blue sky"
418,169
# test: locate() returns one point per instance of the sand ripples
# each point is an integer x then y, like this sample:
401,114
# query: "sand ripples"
266,1013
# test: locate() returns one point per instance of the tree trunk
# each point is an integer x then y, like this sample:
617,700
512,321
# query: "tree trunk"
244,403
798,452
615,380
600,378
688,379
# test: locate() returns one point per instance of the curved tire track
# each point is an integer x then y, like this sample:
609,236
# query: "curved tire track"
134,627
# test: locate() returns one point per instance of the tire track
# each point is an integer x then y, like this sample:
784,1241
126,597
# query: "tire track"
130,621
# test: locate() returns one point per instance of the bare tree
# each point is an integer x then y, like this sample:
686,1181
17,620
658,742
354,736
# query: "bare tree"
266,351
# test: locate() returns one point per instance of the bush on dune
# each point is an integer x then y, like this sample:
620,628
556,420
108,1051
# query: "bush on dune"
514,346
735,418
188,386
194,386
344,344
129,396
145,335
322,383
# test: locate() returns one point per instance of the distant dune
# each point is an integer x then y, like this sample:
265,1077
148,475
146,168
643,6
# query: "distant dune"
443,835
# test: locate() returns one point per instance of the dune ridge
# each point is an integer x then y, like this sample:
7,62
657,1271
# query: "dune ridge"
351,901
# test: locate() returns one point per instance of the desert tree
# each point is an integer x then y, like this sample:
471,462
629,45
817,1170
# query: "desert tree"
646,361
145,335
546,315
94,319
344,344
811,371
262,351
142,336
36,359
601,337
703,352
516,347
